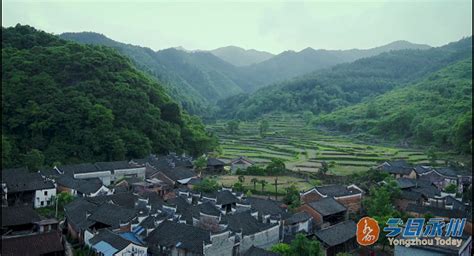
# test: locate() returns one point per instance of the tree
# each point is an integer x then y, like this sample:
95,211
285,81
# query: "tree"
378,205
207,186
276,166
292,197
431,154
238,187
6,151
300,246
308,117
451,188
303,246
200,163
254,181
233,126
324,167
34,159
263,183
263,128
281,248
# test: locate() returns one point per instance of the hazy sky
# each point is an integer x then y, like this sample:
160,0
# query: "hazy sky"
273,26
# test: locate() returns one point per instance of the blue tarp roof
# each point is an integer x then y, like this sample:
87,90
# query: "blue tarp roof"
131,237
105,248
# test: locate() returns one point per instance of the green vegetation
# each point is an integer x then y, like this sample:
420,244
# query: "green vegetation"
345,84
436,111
207,186
300,246
378,207
65,102
200,163
292,197
233,126
305,150
451,188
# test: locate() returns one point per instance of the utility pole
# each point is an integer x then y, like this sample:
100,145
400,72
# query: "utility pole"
276,188
56,215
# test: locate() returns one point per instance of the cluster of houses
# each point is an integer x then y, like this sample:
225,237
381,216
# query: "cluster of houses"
149,207
423,194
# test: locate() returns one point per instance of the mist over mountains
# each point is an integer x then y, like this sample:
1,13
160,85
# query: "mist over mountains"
198,79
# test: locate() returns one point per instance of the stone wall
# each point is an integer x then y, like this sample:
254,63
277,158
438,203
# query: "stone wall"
264,239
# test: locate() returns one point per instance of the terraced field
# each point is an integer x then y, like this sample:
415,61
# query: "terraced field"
304,148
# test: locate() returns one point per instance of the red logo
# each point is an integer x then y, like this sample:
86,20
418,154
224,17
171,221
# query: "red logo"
367,231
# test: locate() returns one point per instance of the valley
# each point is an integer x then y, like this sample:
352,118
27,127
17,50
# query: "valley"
304,148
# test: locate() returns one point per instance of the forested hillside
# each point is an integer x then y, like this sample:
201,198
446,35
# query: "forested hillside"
290,64
436,111
65,102
198,79
240,57
195,80
346,84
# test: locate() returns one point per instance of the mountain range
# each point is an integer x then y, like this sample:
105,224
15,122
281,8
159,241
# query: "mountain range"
198,79
241,57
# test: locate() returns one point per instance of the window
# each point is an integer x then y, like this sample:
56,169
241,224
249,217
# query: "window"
45,193
42,203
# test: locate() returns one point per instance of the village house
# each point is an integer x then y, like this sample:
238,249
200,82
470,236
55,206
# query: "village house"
300,222
107,172
398,169
172,238
241,163
18,220
81,187
325,212
338,238
24,187
349,196
172,170
106,242
86,215
47,243
215,165
251,232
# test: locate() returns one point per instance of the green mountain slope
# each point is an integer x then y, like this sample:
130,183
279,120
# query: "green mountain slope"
66,102
346,84
195,80
291,64
198,79
241,57
436,111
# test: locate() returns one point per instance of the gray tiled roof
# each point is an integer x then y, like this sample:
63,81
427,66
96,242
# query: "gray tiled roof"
245,223
111,238
112,215
404,183
297,218
337,190
18,215
214,162
48,243
84,186
172,234
327,206
20,179
446,171
338,233
110,166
